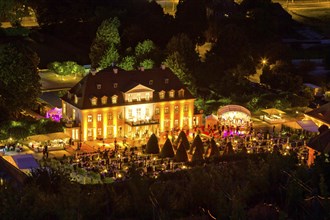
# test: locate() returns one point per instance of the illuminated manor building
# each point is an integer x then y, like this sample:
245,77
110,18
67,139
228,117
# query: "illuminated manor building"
116,103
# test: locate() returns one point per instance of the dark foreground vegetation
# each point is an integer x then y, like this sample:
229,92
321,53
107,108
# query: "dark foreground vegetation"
263,186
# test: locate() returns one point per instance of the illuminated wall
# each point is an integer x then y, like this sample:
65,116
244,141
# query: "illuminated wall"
110,122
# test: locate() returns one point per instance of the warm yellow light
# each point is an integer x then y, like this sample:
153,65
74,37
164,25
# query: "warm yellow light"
264,61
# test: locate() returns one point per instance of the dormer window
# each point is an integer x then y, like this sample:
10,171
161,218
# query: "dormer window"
151,82
129,98
115,85
98,86
138,97
147,96
181,93
167,81
94,101
162,94
69,95
114,99
171,93
104,100
75,99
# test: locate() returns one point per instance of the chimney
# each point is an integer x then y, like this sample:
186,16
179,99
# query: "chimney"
93,71
163,66
115,70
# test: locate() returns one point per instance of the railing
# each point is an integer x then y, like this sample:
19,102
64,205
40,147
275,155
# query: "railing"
142,122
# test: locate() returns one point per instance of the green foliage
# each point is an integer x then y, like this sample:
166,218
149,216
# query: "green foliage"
167,150
104,49
147,64
44,126
66,68
145,48
108,31
152,145
13,11
128,63
19,85
110,57
18,132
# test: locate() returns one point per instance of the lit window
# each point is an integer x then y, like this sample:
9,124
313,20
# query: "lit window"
110,116
157,111
75,99
130,113
171,93
181,93
89,132
99,131
166,123
89,118
94,101
114,99
166,110
64,108
115,85
99,117
185,121
73,114
98,86
176,122
104,100
120,115
129,98
185,108
138,113
167,81
147,96
138,97
151,82
147,112
162,94
176,109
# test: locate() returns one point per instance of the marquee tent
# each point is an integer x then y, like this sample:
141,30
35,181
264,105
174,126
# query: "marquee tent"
307,125
273,111
234,114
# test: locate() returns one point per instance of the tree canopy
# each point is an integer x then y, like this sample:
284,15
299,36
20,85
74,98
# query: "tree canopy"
104,49
19,79
152,145
167,150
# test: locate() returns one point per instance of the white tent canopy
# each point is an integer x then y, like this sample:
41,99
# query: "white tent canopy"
234,115
308,125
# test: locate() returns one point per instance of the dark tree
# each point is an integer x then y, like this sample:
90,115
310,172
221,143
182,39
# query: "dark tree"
191,18
167,150
215,153
19,79
182,138
152,145
181,154
197,145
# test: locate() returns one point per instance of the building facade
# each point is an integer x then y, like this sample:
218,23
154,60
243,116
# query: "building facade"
116,103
